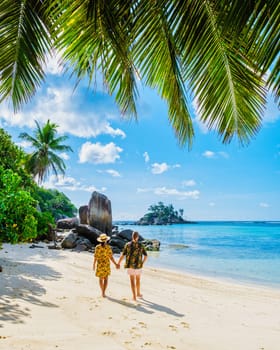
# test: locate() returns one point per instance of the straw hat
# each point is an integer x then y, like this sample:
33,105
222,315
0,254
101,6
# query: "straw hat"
103,238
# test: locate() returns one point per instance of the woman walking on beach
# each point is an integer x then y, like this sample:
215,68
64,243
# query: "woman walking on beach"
136,256
101,262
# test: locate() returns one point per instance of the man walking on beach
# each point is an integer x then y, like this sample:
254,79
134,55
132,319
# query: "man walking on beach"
136,256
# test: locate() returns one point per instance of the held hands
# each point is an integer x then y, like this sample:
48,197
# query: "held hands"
117,266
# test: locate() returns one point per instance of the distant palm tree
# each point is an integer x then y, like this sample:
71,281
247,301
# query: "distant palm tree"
43,159
224,53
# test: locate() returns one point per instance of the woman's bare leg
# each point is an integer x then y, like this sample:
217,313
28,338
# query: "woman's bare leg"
101,284
105,284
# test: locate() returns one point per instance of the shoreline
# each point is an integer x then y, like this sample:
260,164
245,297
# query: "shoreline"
220,251
221,279
51,299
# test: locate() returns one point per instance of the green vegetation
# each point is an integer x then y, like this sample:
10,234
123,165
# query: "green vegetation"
226,53
55,202
18,209
25,208
161,214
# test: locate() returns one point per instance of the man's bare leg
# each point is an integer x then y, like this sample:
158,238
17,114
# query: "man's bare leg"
133,287
138,286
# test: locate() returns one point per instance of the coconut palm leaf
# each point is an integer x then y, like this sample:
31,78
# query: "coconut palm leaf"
226,53
229,96
264,36
158,61
95,38
24,42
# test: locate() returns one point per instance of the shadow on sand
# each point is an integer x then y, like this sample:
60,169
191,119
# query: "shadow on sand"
146,306
17,283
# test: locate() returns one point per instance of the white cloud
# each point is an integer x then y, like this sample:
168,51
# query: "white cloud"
264,205
24,144
163,191
189,183
69,183
97,153
208,154
146,157
175,192
112,172
159,168
64,156
53,65
63,107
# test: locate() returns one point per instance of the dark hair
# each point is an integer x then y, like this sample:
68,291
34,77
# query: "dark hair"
135,235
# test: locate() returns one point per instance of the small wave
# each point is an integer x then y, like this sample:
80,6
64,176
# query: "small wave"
178,246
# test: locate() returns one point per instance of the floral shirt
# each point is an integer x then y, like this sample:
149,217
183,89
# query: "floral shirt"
102,255
133,252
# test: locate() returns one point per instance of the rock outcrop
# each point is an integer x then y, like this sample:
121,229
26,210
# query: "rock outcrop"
67,223
83,214
94,219
85,237
100,213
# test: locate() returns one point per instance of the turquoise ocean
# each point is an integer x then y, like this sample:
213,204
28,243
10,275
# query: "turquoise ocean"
242,252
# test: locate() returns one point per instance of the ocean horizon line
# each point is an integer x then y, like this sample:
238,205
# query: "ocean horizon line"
134,222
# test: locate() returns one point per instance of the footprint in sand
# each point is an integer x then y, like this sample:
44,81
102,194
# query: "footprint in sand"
171,347
142,324
128,342
108,333
185,324
134,334
173,328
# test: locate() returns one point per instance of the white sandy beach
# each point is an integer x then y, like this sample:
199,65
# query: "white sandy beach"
50,299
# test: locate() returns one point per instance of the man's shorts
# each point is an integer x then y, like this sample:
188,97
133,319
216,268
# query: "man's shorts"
134,272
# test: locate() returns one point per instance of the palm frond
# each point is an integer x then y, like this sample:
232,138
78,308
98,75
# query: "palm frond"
156,54
264,35
227,52
24,41
230,96
94,38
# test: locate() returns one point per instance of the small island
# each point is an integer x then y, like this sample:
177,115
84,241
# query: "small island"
161,214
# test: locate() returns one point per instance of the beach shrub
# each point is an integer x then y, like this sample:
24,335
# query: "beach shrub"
17,209
43,220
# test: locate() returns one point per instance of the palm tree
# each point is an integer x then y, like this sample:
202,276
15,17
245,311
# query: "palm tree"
223,53
43,159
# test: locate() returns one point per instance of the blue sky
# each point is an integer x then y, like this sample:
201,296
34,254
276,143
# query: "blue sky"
139,163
